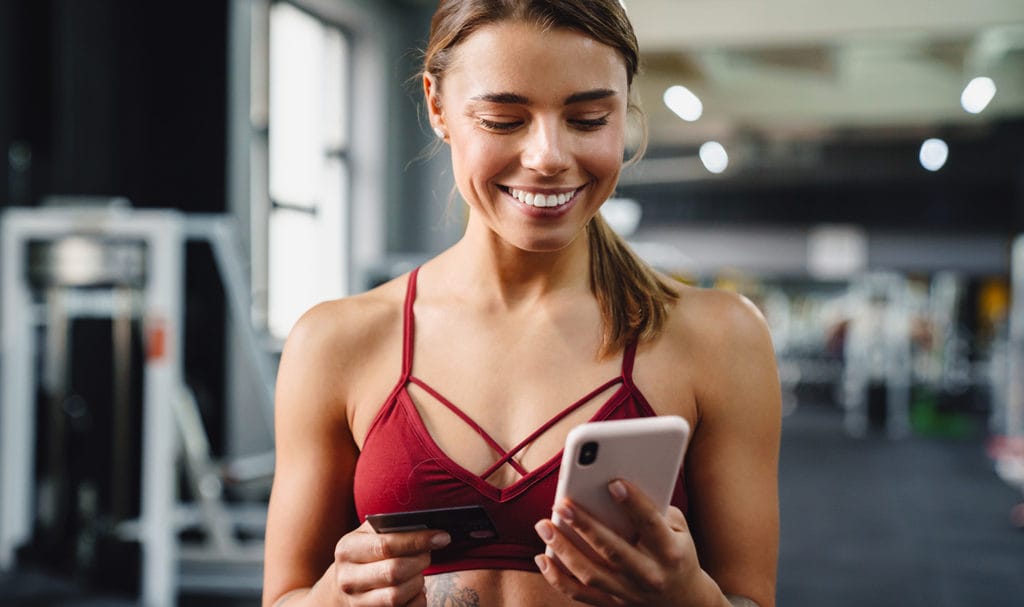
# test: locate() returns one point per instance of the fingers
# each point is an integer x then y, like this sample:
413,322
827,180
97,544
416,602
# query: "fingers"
384,569
607,561
570,586
577,569
409,592
356,578
364,545
604,566
654,529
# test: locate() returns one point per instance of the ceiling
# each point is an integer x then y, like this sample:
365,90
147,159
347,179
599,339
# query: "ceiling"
781,78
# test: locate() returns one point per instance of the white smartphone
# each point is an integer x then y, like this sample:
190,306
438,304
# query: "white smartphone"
647,452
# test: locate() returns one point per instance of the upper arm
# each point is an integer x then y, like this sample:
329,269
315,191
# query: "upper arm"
732,465
311,500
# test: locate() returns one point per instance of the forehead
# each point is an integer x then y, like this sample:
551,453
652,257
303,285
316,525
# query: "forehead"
516,56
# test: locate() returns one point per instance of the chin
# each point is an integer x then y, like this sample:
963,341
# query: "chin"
545,245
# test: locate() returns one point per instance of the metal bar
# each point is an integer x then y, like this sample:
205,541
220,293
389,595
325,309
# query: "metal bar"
123,411
54,498
17,378
223,239
163,379
1015,351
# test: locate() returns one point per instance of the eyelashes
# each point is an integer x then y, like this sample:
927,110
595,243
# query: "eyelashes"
492,125
591,123
584,124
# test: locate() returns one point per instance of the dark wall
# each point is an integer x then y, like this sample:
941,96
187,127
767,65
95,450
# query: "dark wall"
874,183
115,98
124,98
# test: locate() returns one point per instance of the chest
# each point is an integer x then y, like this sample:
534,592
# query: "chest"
483,390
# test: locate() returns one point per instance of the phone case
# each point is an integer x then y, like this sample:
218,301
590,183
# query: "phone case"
647,452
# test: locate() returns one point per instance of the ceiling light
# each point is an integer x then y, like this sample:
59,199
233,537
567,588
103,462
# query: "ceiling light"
934,153
977,94
683,102
714,157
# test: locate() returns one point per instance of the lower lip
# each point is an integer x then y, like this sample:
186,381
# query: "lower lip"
545,211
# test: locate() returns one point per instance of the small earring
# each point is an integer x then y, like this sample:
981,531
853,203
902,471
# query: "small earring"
440,133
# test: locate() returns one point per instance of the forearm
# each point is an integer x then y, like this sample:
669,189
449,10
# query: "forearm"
316,595
720,599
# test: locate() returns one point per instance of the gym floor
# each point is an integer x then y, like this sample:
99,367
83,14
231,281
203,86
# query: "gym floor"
922,521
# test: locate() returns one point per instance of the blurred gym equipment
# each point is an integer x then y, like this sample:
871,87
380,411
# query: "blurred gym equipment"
1006,446
111,270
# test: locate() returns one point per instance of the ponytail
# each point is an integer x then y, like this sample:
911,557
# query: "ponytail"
634,300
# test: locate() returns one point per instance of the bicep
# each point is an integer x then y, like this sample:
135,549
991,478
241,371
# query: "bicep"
311,499
732,467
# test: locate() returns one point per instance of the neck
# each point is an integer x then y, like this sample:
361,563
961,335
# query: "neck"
509,277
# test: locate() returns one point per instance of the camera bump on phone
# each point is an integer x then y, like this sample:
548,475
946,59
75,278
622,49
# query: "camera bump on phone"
588,453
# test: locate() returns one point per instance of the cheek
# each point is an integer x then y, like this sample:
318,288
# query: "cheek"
476,158
604,157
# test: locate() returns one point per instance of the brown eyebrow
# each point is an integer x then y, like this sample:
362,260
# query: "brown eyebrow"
517,99
509,98
594,95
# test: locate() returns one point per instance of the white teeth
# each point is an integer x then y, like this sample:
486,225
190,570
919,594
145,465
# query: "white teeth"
541,200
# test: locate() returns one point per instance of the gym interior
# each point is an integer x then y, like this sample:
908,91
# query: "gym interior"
183,179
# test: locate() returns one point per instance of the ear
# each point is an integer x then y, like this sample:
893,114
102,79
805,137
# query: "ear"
432,94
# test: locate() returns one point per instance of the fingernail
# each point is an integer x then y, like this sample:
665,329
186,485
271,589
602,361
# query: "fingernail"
618,490
565,513
544,531
542,563
440,540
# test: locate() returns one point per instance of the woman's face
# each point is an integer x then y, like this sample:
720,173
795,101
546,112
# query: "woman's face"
536,121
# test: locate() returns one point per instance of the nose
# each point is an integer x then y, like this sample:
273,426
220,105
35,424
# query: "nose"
546,148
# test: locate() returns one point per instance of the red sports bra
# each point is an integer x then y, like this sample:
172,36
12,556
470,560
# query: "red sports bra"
402,468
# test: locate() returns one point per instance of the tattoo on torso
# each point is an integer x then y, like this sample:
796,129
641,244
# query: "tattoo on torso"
444,591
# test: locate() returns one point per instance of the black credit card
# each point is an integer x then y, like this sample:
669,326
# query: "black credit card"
463,523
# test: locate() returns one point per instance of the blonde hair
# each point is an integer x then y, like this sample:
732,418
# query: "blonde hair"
633,298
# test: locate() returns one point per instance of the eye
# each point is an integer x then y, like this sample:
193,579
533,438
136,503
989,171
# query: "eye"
590,124
497,126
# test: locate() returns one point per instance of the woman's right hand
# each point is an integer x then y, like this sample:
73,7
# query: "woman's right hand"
384,570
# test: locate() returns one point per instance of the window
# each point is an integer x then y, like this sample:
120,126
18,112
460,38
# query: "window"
308,165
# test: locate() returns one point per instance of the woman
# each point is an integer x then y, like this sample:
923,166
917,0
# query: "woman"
484,358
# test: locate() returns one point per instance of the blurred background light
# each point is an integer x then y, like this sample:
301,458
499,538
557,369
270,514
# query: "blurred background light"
977,94
683,102
934,153
714,157
622,214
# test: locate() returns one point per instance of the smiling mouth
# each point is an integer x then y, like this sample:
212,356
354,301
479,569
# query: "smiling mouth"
541,200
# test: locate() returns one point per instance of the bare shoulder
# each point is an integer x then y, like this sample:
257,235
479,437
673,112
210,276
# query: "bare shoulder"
713,322
351,321
720,343
719,318
335,342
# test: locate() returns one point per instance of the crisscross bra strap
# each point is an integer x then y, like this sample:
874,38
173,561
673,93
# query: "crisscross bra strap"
626,377
547,425
506,456
628,357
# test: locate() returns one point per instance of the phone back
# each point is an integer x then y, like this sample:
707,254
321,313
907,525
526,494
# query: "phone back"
647,452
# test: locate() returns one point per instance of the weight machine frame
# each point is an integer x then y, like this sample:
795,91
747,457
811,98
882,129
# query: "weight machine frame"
166,405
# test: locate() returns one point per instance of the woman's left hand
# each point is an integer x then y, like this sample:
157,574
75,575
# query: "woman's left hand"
661,568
